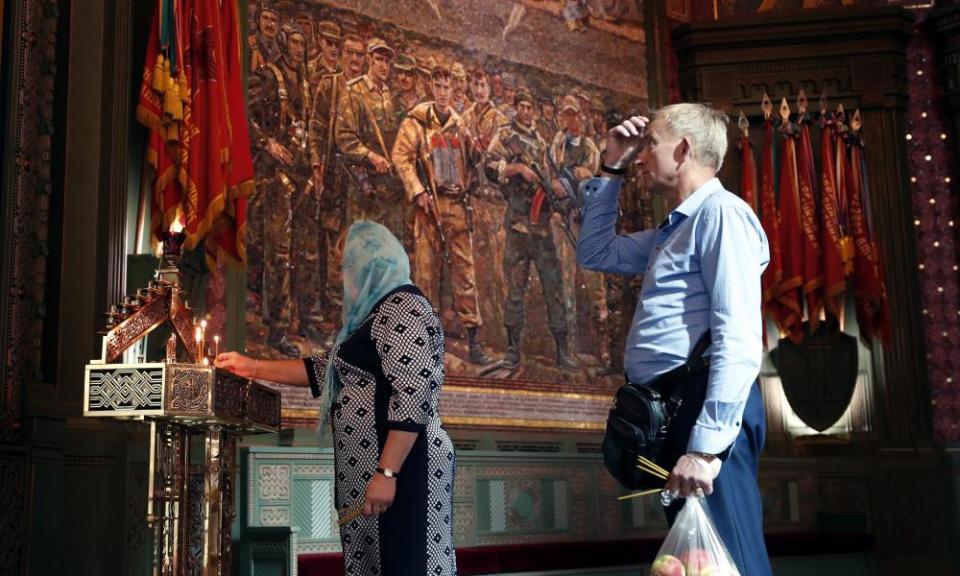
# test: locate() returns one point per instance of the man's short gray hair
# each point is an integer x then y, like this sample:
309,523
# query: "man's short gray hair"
704,127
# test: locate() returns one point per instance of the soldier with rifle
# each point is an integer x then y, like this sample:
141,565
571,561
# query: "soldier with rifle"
279,104
517,160
431,158
328,204
365,131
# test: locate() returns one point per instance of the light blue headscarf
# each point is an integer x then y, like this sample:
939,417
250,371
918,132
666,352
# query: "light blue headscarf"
374,263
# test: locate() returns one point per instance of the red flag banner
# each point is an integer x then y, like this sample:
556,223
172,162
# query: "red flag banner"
748,181
832,232
842,165
791,230
748,172
191,100
809,222
869,282
748,175
770,220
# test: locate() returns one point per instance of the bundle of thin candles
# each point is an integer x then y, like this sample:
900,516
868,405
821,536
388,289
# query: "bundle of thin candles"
352,514
652,468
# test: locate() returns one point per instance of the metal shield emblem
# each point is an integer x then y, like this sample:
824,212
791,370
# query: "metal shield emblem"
819,374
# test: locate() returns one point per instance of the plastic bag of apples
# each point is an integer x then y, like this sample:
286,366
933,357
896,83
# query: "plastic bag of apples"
693,547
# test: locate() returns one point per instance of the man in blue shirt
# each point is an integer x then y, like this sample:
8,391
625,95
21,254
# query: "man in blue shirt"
701,271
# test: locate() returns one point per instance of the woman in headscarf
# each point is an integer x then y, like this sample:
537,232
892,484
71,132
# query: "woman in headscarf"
380,386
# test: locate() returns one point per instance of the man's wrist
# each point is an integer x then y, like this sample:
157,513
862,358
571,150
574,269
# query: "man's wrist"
704,456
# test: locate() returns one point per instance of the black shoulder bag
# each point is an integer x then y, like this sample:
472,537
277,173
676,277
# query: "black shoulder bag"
640,418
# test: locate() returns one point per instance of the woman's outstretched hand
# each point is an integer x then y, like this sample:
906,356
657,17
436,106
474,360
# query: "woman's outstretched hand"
237,363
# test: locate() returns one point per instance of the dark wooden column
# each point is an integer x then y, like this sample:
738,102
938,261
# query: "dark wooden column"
858,58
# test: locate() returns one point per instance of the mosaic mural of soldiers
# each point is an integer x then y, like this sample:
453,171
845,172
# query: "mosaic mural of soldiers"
327,206
365,131
458,76
432,159
263,44
280,104
516,158
547,125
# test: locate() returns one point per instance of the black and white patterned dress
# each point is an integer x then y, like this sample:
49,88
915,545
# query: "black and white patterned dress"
392,370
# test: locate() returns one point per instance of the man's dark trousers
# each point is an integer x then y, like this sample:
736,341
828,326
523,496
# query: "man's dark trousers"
735,504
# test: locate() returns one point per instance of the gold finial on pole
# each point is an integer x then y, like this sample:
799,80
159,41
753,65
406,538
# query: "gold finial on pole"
767,106
784,110
744,124
856,122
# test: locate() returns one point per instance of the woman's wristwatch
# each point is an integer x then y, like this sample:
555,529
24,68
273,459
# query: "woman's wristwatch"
388,472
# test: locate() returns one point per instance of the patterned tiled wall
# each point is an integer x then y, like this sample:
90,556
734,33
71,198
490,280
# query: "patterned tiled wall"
506,498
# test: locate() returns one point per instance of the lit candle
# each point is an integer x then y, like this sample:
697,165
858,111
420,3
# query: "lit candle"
203,338
216,345
198,338
205,361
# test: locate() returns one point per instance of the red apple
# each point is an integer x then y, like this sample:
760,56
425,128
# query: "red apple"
667,565
697,562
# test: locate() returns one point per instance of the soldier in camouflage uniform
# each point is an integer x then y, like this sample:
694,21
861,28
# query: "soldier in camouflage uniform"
459,78
515,154
576,158
586,113
263,45
280,104
432,159
509,83
354,57
407,96
366,129
320,271
547,125
482,118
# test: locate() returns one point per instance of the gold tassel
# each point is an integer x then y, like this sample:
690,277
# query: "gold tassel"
847,254
172,106
173,133
157,79
184,87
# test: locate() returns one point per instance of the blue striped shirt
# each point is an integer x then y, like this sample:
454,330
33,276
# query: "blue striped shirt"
701,270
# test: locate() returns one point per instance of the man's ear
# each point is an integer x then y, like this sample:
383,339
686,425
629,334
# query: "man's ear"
682,151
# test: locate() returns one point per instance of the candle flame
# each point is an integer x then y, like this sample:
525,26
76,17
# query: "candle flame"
176,226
